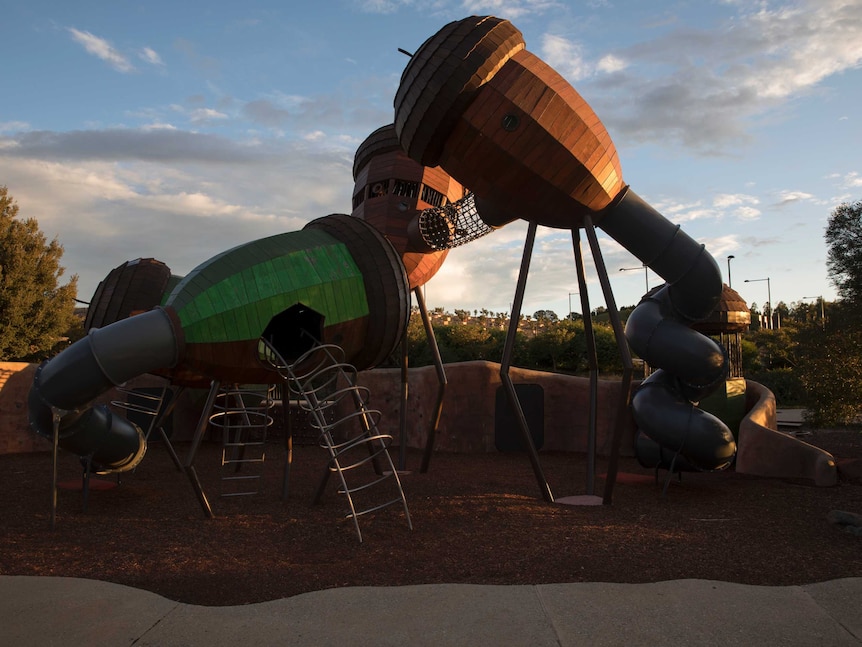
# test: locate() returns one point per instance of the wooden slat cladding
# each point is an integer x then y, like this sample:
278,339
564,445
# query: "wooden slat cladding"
135,286
509,126
442,76
381,161
380,142
386,287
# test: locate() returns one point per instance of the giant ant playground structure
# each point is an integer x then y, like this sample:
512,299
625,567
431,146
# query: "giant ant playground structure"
484,133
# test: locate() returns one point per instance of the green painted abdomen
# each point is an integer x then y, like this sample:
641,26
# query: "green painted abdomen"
233,296
337,281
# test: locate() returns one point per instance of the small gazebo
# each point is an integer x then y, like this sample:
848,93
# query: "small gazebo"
730,318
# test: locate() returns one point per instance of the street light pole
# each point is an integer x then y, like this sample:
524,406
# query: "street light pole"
569,317
646,274
729,282
768,296
822,310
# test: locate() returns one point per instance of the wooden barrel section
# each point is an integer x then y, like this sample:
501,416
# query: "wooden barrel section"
503,122
386,287
338,281
135,286
390,190
442,78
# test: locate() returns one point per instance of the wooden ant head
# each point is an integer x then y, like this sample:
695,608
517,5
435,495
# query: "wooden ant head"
501,121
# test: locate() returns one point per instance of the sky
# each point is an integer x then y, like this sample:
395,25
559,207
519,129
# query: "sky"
177,130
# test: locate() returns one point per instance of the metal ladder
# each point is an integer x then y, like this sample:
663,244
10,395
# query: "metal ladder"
153,405
243,415
325,386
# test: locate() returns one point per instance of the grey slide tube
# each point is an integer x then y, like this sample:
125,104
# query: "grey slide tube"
675,425
106,357
690,365
668,251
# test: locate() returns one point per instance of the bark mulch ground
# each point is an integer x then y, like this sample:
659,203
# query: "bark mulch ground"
478,518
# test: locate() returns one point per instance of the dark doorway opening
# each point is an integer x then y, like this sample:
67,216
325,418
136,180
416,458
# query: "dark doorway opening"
294,331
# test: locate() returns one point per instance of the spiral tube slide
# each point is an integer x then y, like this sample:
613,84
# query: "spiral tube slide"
690,364
104,358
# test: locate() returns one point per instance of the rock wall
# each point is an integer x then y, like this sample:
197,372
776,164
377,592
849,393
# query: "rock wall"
16,378
15,435
467,423
468,420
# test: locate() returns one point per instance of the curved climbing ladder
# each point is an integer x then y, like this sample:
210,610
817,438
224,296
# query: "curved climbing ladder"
326,387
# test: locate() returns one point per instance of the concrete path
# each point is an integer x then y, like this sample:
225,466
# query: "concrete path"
67,611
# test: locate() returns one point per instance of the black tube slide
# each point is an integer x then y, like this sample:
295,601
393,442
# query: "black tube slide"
690,364
107,357
672,424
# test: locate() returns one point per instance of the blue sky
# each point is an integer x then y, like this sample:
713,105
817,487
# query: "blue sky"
178,130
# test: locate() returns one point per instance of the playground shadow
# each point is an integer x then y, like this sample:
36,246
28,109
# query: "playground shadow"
477,518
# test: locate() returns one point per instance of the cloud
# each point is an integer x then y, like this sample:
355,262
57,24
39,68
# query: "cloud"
677,212
509,9
565,57
382,6
158,126
789,197
747,213
149,55
701,87
720,246
738,205
803,45
610,64
145,144
101,48
203,115
13,126
723,200
118,195
266,113
336,111
852,179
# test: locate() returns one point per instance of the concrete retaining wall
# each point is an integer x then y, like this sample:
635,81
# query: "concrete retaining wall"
467,423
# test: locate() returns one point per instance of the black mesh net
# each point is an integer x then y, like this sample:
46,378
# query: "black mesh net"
452,224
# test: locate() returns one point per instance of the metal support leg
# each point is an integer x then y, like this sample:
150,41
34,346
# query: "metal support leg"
85,482
55,415
625,355
441,381
162,416
402,412
193,450
592,363
288,442
514,402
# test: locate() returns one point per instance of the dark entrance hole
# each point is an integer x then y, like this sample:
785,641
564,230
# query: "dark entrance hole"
294,331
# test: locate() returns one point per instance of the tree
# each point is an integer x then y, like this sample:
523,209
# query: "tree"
34,311
830,351
844,259
830,366
545,315
551,349
807,312
781,314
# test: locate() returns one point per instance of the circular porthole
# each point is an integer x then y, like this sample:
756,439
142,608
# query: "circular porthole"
510,122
